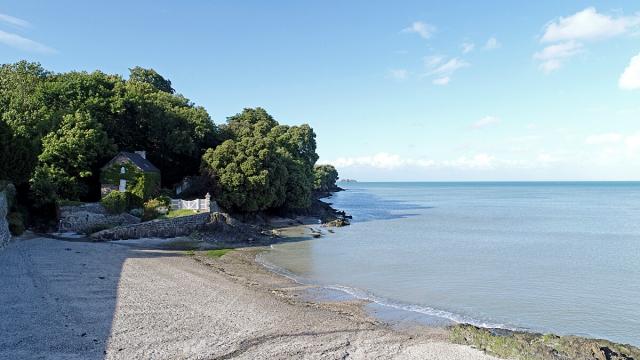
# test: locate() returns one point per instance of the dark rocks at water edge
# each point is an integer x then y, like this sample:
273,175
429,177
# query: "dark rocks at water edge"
529,346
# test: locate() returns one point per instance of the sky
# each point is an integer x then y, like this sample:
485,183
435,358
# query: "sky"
395,91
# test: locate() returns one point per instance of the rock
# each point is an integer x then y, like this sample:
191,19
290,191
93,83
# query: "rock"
5,235
162,228
337,223
91,217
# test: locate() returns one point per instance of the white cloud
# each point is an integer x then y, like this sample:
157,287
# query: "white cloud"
478,161
446,68
14,21
433,61
553,57
633,143
492,43
588,24
398,74
387,161
23,43
485,121
423,29
441,69
569,32
467,47
441,81
601,139
630,78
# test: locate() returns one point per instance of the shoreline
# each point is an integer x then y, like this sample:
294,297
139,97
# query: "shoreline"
504,342
498,342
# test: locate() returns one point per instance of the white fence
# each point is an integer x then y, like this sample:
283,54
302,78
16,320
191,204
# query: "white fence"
205,204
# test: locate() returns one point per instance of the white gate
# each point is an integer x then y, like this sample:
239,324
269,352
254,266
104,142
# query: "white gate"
197,204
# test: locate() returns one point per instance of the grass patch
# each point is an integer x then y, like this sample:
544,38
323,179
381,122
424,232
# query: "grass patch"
178,213
190,253
217,253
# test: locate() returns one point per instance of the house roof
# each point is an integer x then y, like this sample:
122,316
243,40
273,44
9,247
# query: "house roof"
142,163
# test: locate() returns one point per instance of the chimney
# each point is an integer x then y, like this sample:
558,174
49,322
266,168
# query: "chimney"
142,153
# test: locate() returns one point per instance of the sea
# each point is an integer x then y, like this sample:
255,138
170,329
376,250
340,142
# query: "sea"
551,257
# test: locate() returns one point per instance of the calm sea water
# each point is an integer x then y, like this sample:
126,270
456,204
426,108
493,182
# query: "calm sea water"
549,257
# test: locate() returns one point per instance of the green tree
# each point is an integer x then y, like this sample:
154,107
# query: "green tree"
325,177
262,165
151,77
24,118
69,157
249,173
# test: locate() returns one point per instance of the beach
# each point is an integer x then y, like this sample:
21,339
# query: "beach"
82,300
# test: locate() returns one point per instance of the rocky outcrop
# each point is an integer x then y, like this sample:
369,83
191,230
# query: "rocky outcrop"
5,235
91,217
164,228
525,345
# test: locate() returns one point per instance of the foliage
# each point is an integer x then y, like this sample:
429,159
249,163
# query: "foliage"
24,119
137,212
68,157
325,177
68,124
143,185
116,202
262,165
154,208
16,223
164,200
150,77
48,181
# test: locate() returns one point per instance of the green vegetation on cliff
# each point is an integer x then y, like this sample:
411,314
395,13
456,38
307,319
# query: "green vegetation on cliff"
58,129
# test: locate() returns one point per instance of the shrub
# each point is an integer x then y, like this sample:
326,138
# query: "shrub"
164,200
137,212
16,223
155,207
116,202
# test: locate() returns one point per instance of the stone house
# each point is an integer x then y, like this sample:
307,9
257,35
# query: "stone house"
128,170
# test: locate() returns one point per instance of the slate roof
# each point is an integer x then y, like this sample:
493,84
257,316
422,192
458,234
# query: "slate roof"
137,160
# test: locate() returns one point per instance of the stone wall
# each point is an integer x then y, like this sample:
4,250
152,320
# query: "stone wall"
164,228
5,235
91,217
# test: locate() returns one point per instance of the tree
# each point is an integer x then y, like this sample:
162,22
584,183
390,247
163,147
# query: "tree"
151,77
24,118
249,174
262,165
325,177
173,131
297,146
69,157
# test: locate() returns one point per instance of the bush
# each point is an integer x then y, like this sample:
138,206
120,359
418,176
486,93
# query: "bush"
164,200
137,212
154,208
16,223
116,202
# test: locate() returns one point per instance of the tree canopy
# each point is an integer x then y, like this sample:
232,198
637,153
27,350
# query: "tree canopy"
58,129
262,165
65,124
325,177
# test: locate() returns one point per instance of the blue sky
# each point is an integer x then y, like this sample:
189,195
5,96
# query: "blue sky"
403,90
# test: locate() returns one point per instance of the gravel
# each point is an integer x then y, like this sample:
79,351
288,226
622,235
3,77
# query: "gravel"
78,300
